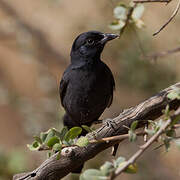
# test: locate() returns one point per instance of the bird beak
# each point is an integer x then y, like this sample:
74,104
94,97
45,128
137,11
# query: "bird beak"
107,37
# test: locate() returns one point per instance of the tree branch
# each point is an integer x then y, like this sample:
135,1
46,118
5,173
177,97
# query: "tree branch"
152,1
157,55
170,19
72,157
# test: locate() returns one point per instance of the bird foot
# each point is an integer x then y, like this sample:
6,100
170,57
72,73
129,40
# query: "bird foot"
110,123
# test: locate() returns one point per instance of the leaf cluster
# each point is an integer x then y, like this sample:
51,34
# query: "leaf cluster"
53,140
107,169
121,16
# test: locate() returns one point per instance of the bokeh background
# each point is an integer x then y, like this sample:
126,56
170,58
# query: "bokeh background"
35,42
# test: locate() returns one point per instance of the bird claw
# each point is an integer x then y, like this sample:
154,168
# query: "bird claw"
110,123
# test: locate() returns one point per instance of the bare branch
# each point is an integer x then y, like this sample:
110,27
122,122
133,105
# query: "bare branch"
170,19
155,56
146,145
152,1
72,157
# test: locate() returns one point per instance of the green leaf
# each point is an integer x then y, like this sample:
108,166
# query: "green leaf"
174,95
117,25
43,136
38,139
58,155
49,135
57,147
120,12
72,133
34,146
92,174
82,141
130,169
118,161
137,12
52,141
87,128
106,168
63,132
134,125
132,136
150,131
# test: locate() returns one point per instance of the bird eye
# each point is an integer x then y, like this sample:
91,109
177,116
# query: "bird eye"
90,41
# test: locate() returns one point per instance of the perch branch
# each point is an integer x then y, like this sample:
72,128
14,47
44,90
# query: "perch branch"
72,157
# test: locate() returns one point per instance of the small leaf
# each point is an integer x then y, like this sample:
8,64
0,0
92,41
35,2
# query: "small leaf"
92,174
82,141
43,136
49,135
137,12
150,131
117,25
134,125
51,142
106,168
132,136
130,169
57,147
38,139
87,128
34,146
174,95
72,133
120,12
118,161
63,132
58,155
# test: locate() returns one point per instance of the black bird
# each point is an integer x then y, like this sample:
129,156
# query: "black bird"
87,85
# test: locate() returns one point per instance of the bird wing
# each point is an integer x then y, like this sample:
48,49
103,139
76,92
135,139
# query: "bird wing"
112,85
112,89
63,86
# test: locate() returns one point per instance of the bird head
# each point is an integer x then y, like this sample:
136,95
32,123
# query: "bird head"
90,44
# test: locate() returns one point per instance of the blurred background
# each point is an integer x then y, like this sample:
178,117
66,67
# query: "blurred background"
35,41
